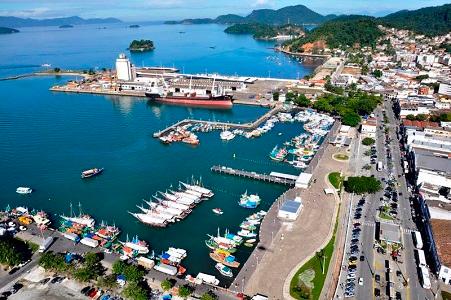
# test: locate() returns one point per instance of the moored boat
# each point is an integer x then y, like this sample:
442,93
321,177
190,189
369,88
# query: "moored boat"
224,270
217,211
226,260
91,172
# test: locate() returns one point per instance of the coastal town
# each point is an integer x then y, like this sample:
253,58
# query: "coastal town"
365,210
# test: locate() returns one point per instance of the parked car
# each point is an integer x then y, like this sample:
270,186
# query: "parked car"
377,292
377,278
85,289
360,281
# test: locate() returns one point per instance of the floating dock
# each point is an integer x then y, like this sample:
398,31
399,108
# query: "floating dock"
218,125
253,175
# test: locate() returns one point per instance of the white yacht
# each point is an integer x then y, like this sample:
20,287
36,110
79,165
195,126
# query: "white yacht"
24,190
227,135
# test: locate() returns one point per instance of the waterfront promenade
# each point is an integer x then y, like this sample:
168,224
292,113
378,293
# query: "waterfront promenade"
285,246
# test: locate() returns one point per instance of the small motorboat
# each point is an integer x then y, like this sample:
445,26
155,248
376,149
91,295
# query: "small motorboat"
91,173
251,241
248,245
224,270
218,211
24,190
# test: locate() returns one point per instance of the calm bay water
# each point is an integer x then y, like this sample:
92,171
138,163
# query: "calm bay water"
47,139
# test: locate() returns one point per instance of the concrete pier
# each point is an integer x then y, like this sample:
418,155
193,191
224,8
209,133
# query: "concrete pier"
245,126
252,175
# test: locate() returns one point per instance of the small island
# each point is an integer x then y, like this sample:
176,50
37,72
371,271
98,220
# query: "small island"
134,26
141,46
66,26
6,30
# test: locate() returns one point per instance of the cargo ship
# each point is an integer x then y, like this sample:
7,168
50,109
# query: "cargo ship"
214,97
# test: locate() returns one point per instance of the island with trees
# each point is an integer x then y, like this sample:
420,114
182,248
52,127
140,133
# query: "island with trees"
141,46
7,30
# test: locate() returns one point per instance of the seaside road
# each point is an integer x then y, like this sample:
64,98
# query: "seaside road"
267,270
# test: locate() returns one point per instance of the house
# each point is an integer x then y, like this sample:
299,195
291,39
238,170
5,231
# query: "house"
369,127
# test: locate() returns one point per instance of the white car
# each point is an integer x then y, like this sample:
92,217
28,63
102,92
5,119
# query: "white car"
351,275
360,281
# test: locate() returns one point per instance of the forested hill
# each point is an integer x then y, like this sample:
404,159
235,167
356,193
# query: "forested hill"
298,14
429,20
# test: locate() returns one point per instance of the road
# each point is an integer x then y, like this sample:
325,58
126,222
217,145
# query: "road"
373,262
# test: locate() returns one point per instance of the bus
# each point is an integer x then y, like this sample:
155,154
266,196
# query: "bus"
421,258
424,278
417,240
379,166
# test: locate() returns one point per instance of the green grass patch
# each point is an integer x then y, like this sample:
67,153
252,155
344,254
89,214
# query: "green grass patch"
341,156
446,295
385,216
312,290
335,179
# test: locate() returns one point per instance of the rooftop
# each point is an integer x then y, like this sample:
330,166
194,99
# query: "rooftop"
291,206
442,237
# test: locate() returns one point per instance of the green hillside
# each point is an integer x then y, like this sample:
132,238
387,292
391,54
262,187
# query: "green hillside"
429,20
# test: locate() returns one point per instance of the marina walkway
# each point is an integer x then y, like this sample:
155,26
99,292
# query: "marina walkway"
246,126
252,175
285,245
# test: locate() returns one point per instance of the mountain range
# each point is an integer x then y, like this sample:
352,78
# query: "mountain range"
429,20
6,21
298,14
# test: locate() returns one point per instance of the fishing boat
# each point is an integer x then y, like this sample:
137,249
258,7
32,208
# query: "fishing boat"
224,270
278,154
24,190
226,260
213,245
91,173
249,201
247,225
247,233
137,245
217,211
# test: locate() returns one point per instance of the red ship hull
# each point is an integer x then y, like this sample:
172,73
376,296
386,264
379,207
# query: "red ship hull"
223,101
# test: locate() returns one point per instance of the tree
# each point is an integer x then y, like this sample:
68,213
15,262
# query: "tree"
118,267
410,117
166,284
302,101
56,70
185,291
12,252
368,141
377,73
107,282
135,291
275,96
53,262
351,119
133,273
209,296
290,97
421,117
362,185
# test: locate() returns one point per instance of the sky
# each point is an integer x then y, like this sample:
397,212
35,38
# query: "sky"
160,10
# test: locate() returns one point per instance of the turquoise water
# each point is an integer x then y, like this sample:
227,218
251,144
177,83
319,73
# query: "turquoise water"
84,47
47,139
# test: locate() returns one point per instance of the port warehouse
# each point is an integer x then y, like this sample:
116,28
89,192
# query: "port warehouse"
427,168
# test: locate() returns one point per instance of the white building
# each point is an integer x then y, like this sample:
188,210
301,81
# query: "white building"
124,68
369,128
303,180
426,59
290,209
445,274
445,89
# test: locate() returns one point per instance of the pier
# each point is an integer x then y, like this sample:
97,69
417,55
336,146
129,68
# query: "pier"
218,125
253,175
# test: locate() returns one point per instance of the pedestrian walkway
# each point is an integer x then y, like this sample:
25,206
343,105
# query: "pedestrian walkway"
295,241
